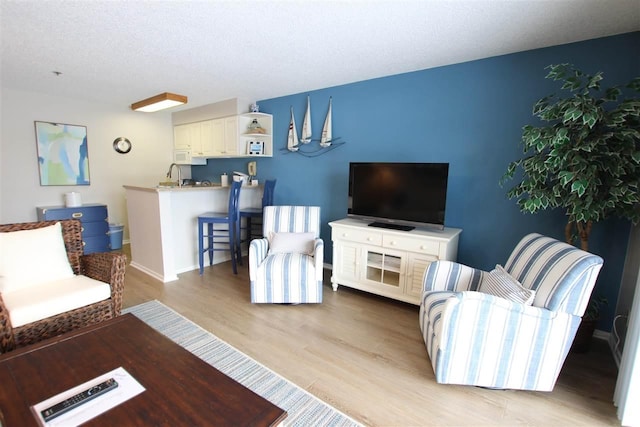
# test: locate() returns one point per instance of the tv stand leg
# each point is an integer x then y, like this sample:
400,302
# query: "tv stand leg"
334,284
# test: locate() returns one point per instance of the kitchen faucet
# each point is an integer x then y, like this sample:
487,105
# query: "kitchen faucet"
179,174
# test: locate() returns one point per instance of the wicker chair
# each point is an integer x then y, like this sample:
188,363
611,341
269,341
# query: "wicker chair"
107,267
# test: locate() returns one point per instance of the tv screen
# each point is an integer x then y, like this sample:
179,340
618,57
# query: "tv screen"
398,195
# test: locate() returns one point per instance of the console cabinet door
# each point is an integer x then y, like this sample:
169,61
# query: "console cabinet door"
384,268
346,261
415,273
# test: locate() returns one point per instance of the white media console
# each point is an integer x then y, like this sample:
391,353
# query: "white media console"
387,262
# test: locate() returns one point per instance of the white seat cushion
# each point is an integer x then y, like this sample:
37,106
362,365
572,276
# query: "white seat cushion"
287,277
48,299
32,257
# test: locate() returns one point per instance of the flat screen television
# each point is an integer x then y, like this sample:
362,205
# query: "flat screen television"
398,195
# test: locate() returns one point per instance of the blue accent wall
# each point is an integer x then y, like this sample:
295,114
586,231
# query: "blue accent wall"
469,115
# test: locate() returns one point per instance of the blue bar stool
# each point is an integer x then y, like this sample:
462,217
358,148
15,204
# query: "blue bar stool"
227,235
252,213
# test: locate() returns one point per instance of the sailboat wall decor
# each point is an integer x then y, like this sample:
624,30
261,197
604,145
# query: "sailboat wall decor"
306,125
325,138
292,138
303,146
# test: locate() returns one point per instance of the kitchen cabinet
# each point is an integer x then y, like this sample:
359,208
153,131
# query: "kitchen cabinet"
205,144
223,137
183,136
247,136
188,144
198,138
94,219
387,262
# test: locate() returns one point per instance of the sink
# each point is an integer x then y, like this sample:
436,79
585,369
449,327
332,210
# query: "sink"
174,184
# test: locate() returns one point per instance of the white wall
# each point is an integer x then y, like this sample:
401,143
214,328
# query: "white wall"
628,286
151,135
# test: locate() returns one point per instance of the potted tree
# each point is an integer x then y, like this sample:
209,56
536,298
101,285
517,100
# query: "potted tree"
586,158
582,340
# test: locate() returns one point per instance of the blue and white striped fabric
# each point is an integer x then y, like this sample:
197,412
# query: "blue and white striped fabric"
562,276
479,339
287,277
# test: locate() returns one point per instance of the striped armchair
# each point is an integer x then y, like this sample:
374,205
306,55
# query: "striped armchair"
285,266
476,338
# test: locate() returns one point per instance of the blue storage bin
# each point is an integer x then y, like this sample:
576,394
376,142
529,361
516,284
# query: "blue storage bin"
115,234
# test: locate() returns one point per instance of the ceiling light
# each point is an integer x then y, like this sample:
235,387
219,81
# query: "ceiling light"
159,102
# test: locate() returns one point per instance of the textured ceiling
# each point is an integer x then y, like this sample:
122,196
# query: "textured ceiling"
119,52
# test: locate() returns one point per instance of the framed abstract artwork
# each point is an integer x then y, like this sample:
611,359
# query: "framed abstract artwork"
63,155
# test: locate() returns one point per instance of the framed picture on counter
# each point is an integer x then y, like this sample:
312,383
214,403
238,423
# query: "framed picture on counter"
63,155
255,148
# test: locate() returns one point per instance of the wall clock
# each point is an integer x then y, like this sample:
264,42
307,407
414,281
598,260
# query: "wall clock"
122,145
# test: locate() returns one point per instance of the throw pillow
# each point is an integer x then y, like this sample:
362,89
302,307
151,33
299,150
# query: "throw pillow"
292,243
32,257
501,284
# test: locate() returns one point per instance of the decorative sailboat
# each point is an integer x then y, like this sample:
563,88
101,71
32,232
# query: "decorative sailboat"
306,125
325,139
307,146
292,139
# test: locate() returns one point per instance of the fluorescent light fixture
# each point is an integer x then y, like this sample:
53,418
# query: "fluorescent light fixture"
159,102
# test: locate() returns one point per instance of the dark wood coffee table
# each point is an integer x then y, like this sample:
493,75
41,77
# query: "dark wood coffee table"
181,389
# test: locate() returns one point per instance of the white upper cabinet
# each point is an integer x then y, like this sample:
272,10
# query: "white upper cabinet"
255,134
245,135
186,143
225,137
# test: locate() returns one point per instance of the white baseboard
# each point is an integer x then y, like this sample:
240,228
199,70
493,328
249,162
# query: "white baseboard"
152,273
601,335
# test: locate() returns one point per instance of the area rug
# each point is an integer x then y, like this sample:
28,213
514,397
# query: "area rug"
303,408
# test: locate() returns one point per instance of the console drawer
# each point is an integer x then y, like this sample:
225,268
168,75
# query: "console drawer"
359,236
411,244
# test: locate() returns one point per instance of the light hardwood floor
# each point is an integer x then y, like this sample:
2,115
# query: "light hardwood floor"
363,354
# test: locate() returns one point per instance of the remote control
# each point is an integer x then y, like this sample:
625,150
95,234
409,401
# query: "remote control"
77,400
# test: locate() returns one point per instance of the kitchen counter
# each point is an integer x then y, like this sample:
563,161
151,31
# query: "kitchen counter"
188,187
163,225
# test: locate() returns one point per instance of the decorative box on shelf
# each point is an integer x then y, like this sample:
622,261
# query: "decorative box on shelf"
94,219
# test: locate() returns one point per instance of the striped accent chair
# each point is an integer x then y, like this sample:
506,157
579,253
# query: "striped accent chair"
286,265
475,338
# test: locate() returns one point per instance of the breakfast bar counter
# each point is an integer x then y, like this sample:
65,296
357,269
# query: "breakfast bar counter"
163,225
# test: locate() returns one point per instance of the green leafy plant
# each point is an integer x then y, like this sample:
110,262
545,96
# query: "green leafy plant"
586,159
596,304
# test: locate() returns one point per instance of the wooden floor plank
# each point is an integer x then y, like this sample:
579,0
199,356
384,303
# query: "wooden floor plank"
364,355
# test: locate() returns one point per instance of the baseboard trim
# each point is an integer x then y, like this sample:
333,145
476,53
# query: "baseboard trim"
602,335
152,273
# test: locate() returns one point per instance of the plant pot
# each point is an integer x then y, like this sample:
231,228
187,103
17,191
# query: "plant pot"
584,335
